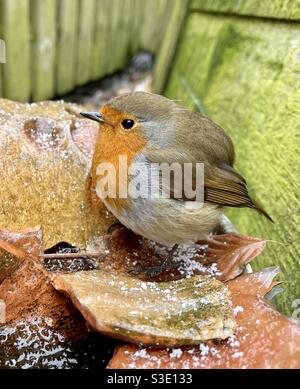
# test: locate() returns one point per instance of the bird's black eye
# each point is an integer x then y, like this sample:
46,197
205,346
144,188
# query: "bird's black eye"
127,124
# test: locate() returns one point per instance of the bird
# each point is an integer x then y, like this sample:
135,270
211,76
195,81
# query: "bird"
150,129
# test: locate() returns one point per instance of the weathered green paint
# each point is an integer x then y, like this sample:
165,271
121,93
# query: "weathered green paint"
154,12
54,45
99,45
122,37
166,52
43,44
246,74
279,9
112,38
118,36
66,49
2,48
85,40
15,32
136,25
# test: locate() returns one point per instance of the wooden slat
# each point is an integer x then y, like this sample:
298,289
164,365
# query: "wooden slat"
2,48
152,20
279,9
100,52
113,38
66,51
43,30
1,66
15,32
73,41
177,10
136,26
107,38
246,75
87,9
123,35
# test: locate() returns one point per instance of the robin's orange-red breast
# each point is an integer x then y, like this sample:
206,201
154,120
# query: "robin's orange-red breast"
151,129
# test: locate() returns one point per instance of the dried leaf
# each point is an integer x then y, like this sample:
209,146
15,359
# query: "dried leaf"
27,292
46,153
173,313
15,247
231,252
264,338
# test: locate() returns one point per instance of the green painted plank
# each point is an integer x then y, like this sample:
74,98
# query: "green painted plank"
43,32
154,20
113,38
123,33
2,52
15,32
279,9
66,46
108,37
1,65
177,10
246,74
86,27
136,26
100,48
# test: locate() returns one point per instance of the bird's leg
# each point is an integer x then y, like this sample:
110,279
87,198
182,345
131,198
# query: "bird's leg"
114,226
111,229
165,265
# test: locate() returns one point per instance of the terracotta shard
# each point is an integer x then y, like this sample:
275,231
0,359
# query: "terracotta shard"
46,152
182,312
264,337
230,252
26,290
15,246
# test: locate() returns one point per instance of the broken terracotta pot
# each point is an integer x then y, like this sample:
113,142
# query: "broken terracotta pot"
46,151
182,312
264,337
16,246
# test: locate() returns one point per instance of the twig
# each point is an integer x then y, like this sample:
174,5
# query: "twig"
72,255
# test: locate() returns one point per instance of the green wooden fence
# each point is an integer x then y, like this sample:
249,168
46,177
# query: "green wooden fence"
54,45
240,60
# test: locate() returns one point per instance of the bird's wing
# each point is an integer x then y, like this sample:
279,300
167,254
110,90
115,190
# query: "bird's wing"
223,185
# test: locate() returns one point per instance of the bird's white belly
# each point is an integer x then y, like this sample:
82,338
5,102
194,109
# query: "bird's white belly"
167,221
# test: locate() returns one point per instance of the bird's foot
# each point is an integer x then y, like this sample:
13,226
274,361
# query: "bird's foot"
114,226
154,271
112,232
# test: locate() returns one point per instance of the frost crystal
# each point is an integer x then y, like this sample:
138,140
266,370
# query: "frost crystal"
176,353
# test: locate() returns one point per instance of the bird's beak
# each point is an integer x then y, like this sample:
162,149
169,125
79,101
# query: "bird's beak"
94,116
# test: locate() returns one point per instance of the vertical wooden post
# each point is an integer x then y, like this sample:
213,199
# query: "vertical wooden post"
16,34
43,26
2,48
136,25
123,35
85,40
112,37
151,19
167,50
102,30
66,49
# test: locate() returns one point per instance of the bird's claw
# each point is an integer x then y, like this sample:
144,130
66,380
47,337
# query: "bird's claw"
155,270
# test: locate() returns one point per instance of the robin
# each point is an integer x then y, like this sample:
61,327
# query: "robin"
150,129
